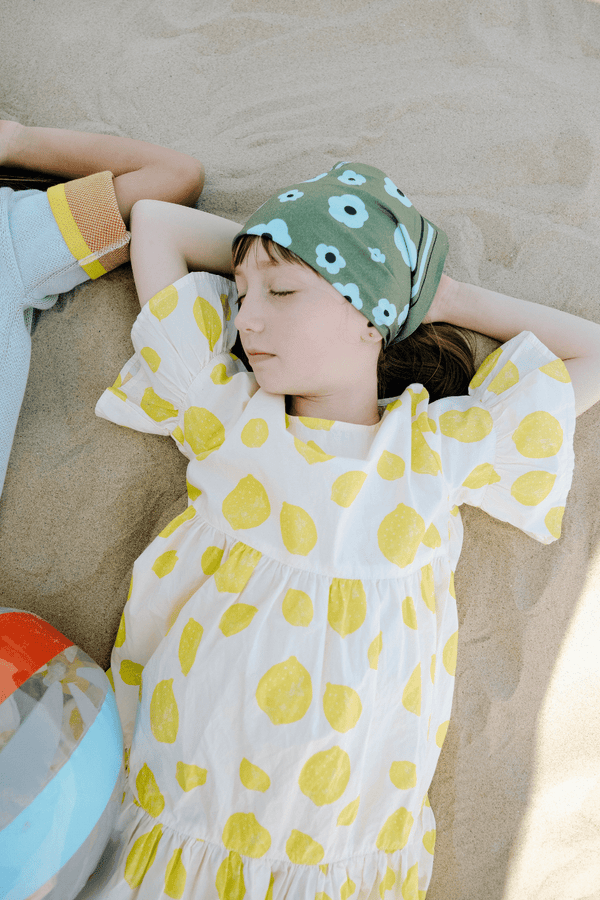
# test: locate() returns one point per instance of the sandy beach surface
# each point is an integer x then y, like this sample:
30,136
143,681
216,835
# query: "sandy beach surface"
486,115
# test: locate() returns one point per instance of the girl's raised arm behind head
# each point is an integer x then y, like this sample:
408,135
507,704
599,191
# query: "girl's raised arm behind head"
168,240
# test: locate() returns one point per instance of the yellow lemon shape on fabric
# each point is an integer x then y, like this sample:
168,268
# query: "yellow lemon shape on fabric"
403,774
505,379
466,426
141,856
485,368
409,613
395,404
211,560
204,432
432,668
410,885
317,424
165,563
347,889
192,491
284,692
423,460
390,466
297,608
553,520
157,407
411,695
247,506
428,587
230,878
400,534
115,389
342,707
416,399
208,321
539,435
311,452
254,433
481,476
120,638
131,672
244,834
175,876
234,574
532,487
164,714
163,303
556,369
189,776
429,841
321,895
347,607
395,832
302,850
174,524
325,776
450,653
109,675
298,531
345,488
432,537
178,435
149,793
374,650
269,894
219,374
387,883
440,735
253,777
349,813
451,587
151,357
324,868
189,642
236,618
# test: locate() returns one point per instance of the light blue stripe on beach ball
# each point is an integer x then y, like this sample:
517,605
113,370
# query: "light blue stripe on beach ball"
41,839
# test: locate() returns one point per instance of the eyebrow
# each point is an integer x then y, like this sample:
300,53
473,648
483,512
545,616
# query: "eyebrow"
264,264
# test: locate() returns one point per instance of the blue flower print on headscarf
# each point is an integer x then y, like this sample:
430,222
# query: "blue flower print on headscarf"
393,191
330,258
384,313
350,292
376,254
350,177
403,315
406,246
349,210
291,195
275,229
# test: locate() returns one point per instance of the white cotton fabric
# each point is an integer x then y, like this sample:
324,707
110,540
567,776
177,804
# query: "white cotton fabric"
285,662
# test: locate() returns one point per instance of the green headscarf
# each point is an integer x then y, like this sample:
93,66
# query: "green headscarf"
364,236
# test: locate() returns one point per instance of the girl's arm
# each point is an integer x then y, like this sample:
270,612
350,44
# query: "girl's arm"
167,241
572,339
140,169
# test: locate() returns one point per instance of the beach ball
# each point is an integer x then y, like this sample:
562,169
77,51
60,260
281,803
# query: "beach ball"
61,752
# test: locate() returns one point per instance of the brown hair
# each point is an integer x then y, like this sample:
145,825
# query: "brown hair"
439,356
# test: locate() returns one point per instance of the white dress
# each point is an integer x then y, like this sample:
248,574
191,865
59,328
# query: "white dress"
285,662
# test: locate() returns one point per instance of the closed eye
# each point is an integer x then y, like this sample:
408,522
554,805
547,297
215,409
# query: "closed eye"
274,293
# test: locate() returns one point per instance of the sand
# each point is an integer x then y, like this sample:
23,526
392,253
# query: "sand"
485,114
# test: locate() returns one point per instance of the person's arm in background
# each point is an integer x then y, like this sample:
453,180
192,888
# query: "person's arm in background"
140,170
574,340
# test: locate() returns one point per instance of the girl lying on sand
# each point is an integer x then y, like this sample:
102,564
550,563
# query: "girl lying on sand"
285,662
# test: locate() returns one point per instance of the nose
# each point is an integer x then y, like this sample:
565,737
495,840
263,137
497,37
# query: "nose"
249,316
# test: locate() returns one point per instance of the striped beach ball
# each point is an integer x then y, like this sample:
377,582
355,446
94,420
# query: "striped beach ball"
61,751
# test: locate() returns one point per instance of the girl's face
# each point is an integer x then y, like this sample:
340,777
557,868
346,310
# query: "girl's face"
312,336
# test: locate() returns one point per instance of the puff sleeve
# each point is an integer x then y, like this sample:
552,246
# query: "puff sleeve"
182,340
508,446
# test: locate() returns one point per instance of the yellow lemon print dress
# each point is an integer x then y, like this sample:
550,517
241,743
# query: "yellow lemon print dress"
285,662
